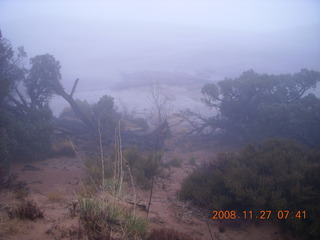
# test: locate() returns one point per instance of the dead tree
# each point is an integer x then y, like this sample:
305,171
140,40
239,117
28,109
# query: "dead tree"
58,89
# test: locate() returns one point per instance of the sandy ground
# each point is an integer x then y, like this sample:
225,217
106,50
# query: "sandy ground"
53,185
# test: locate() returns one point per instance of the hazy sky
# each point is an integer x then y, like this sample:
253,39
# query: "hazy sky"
97,40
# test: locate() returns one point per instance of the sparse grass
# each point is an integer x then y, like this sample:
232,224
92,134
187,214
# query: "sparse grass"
168,234
27,210
110,219
55,196
135,227
142,167
96,218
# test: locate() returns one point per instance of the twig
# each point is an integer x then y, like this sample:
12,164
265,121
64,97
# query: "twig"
101,155
134,189
118,173
153,171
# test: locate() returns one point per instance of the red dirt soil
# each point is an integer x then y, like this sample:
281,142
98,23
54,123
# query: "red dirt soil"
53,185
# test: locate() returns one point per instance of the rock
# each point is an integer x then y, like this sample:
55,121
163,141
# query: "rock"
30,168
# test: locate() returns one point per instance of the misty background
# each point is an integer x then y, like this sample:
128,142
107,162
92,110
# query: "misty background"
104,43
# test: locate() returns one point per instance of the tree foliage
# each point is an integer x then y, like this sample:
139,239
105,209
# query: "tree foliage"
43,78
256,106
25,117
11,69
106,115
276,175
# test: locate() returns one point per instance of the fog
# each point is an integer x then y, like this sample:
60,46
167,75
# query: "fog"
100,41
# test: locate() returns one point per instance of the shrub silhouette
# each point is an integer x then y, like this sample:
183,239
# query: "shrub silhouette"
276,175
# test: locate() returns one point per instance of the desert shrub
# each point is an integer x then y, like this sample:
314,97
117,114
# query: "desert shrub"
12,183
27,136
143,166
167,234
26,210
275,175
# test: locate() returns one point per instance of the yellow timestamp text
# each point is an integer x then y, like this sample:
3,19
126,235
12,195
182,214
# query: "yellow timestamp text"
262,215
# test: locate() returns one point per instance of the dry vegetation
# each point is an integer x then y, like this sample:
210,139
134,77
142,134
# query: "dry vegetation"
26,210
111,211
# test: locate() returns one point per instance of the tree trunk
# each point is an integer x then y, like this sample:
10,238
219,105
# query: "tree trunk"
86,119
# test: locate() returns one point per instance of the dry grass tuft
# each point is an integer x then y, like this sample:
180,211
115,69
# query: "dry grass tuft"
183,212
93,219
55,196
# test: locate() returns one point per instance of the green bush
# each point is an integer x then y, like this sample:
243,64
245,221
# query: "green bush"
143,166
276,175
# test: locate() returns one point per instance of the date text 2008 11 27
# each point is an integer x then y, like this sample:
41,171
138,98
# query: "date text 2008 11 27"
262,215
